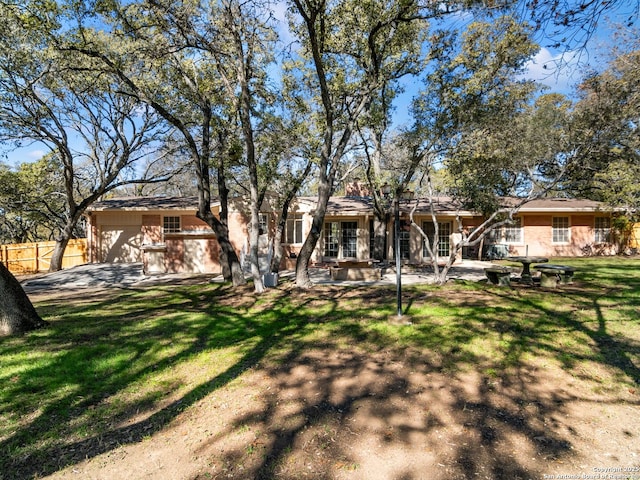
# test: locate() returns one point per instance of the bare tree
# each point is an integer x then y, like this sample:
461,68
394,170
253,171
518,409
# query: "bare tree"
98,134
187,94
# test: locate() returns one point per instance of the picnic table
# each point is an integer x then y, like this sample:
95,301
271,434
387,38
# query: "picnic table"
526,261
551,275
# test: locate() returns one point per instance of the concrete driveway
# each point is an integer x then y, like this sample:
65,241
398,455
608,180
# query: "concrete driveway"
96,275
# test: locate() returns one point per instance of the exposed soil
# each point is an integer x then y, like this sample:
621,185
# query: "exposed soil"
339,412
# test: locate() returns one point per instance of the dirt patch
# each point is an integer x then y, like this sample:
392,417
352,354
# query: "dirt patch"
339,412
379,416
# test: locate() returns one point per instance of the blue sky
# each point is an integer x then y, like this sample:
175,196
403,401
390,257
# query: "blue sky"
543,68
20,155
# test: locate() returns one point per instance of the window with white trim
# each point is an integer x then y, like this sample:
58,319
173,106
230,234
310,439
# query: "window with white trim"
293,229
171,224
602,230
444,232
264,223
331,239
405,237
560,232
513,233
341,239
349,239
508,233
372,237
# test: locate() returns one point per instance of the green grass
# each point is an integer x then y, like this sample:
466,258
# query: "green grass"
148,354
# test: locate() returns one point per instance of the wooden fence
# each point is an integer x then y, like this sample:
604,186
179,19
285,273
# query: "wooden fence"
634,241
23,258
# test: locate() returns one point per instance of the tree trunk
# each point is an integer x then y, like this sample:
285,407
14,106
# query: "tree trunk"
379,240
17,313
303,280
231,268
302,264
276,259
244,57
75,213
282,222
228,257
229,261
254,239
232,261
58,253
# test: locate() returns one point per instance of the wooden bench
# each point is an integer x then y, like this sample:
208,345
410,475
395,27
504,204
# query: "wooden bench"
551,275
499,275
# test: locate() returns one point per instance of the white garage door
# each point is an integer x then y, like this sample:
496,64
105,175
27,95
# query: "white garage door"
120,244
194,255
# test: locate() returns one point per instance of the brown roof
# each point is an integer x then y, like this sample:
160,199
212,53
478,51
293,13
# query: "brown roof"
563,205
339,205
447,205
146,203
442,204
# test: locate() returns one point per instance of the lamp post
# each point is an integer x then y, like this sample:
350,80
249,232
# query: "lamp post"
396,234
386,191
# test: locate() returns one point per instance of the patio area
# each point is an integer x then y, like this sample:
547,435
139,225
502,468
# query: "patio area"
101,275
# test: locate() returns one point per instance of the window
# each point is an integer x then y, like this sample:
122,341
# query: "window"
405,236
341,239
264,223
602,229
507,233
171,224
444,231
331,236
349,239
560,230
372,238
378,239
293,232
513,233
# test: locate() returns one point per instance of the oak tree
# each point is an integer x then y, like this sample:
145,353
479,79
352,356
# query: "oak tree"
54,98
17,313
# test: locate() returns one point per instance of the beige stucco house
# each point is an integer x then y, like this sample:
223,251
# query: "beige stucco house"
165,234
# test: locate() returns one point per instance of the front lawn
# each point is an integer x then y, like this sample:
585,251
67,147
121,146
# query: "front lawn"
475,381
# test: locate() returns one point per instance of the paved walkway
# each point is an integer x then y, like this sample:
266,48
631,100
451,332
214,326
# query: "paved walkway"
102,275
465,270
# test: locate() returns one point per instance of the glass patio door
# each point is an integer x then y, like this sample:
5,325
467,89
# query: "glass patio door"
341,239
349,233
444,231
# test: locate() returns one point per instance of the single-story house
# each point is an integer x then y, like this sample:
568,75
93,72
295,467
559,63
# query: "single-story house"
165,234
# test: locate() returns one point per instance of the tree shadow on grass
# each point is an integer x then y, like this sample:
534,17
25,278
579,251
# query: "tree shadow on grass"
587,319
331,408
103,350
343,392
434,398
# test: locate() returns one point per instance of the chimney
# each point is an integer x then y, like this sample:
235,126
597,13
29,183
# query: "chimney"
357,189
